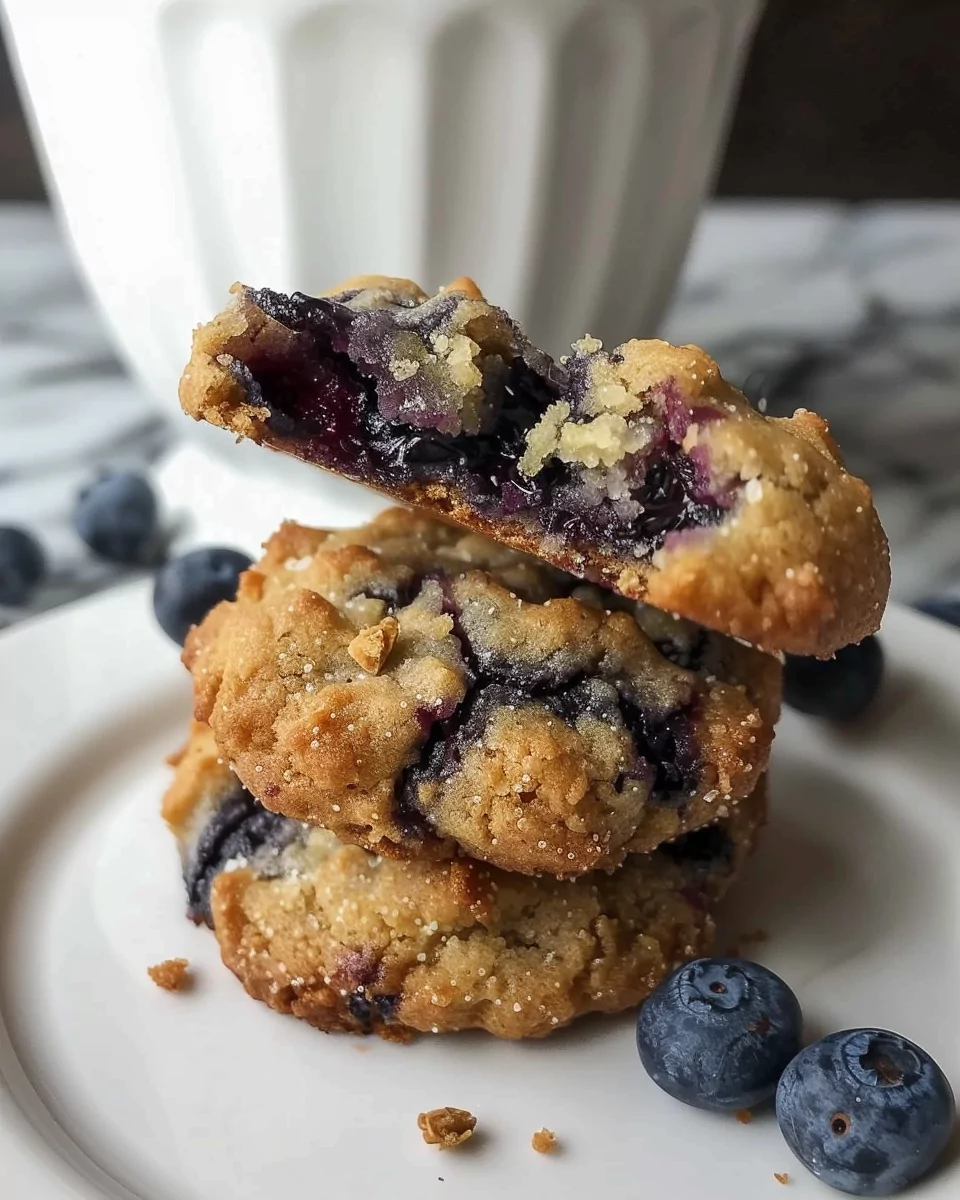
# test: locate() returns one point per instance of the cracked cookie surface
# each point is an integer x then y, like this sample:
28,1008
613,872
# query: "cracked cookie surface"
639,469
354,942
493,706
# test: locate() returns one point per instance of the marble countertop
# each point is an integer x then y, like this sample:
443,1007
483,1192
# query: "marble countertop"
854,312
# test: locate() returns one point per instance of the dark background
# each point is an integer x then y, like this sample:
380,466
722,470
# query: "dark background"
847,99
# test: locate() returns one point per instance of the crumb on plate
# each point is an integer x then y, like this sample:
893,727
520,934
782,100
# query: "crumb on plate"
781,1177
171,974
744,1116
544,1141
446,1127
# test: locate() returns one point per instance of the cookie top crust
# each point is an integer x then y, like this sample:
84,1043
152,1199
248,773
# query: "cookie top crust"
358,943
425,692
639,469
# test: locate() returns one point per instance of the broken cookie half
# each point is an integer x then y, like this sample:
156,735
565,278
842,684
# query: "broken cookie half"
639,469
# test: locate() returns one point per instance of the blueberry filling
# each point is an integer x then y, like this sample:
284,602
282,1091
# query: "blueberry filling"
668,745
395,595
239,829
669,490
664,743
334,398
373,1010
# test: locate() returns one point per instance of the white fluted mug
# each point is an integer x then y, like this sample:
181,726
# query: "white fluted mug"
556,150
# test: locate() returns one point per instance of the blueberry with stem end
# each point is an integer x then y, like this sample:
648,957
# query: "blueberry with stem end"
189,586
718,1032
22,565
866,1110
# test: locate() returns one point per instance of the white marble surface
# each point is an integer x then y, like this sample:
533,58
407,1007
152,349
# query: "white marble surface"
853,312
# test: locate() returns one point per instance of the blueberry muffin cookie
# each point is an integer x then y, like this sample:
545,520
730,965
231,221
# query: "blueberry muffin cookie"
354,942
420,691
639,469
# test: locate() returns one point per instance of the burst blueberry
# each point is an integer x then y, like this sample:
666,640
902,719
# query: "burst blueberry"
117,517
839,689
189,586
334,396
718,1032
22,565
866,1110
239,828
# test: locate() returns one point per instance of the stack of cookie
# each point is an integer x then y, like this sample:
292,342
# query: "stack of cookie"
494,770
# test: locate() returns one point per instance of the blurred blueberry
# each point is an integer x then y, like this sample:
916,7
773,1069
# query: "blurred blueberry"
117,518
22,565
865,1110
189,586
840,688
947,609
718,1032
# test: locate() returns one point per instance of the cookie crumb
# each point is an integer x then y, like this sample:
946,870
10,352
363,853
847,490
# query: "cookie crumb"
744,1116
544,1141
371,648
781,1177
446,1127
171,974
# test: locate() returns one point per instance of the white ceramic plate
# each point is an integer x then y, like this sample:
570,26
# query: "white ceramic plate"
112,1087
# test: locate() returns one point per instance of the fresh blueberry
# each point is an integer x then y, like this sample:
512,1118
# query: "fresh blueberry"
189,586
718,1032
22,565
840,688
117,518
944,610
865,1110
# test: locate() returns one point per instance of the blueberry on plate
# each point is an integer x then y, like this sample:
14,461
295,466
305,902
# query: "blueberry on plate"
718,1032
117,518
839,688
22,565
189,586
945,609
865,1110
